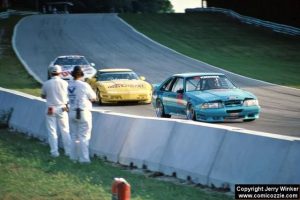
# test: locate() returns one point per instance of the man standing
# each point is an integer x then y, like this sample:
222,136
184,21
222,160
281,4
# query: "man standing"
55,91
81,96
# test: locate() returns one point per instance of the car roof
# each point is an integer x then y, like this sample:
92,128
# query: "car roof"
115,70
191,74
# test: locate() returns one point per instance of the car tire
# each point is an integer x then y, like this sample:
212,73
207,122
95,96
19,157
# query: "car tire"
190,112
160,111
98,97
147,101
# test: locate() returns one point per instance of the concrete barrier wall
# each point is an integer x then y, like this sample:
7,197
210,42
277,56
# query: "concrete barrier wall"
38,128
191,151
289,171
108,135
27,116
248,158
146,143
208,154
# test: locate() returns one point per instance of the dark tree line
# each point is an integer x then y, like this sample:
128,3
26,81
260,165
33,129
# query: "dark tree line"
280,11
135,6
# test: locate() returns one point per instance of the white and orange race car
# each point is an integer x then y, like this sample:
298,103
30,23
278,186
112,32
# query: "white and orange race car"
68,62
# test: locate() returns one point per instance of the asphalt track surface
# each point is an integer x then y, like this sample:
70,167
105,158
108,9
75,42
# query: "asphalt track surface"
108,41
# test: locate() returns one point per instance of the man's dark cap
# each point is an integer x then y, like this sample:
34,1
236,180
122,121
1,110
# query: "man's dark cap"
77,72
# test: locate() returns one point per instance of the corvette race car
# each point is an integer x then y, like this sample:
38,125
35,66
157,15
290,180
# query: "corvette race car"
119,85
68,62
208,97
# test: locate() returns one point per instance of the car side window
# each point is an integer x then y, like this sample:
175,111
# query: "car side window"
168,85
178,85
193,83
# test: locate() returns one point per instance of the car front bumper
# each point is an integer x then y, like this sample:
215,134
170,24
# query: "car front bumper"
126,96
227,114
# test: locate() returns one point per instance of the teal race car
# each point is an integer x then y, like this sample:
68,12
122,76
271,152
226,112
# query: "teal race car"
208,97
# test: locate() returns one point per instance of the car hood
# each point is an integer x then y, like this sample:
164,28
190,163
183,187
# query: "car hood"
124,85
221,95
87,70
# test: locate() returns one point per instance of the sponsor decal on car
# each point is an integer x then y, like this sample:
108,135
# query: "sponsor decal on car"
179,99
126,85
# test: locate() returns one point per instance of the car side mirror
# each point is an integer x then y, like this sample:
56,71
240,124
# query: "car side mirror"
180,91
142,78
93,64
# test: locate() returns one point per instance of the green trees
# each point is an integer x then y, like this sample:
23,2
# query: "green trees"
152,6
135,6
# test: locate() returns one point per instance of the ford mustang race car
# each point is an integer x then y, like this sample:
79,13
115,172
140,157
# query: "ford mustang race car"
208,97
119,85
68,62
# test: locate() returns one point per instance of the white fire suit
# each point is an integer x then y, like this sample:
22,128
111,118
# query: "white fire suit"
80,96
55,91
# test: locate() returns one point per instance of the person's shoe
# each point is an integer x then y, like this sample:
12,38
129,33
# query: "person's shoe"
55,155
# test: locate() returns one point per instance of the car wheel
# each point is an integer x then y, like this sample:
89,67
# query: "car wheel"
98,97
190,112
160,111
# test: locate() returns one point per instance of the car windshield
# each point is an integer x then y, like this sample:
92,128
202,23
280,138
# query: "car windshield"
108,76
71,61
208,83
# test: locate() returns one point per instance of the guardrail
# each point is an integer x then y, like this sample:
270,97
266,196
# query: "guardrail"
209,154
281,28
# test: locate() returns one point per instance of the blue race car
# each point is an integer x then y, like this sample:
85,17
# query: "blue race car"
208,97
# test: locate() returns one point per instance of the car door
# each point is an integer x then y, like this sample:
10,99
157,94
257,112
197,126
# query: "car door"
174,98
165,92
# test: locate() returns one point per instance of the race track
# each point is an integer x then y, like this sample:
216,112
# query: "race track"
109,42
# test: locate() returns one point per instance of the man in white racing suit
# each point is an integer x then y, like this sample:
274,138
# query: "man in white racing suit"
81,96
55,91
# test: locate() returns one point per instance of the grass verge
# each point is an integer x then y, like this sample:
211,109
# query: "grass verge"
28,172
12,73
226,43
